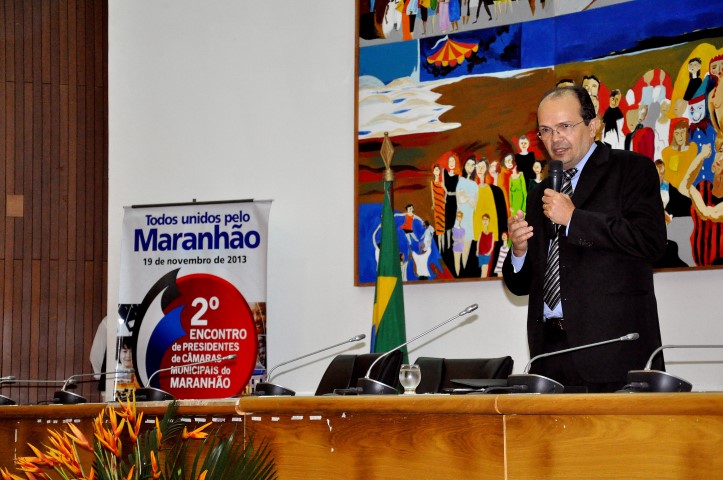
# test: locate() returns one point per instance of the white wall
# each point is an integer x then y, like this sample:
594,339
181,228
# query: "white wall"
228,99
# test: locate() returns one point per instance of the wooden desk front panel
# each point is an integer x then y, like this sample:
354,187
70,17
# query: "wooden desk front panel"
366,446
614,446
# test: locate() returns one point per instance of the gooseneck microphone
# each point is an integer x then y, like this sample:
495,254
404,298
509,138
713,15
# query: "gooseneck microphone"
648,380
3,399
63,396
10,379
268,388
533,383
554,171
368,386
153,394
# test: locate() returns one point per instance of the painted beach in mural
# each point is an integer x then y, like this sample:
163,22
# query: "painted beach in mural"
458,93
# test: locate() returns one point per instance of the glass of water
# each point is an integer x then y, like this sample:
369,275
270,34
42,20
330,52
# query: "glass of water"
409,377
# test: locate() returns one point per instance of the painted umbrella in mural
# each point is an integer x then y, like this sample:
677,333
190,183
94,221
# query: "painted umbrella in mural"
452,53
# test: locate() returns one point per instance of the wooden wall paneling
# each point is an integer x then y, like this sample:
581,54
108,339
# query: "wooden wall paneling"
53,149
3,51
9,45
72,129
55,128
64,296
3,148
37,85
63,39
19,123
82,325
38,354
19,362
45,55
7,353
27,40
4,337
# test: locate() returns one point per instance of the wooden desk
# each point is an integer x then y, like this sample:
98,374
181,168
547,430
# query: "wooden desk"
20,425
613,436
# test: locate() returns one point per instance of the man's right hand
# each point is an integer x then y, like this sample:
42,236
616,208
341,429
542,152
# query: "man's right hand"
520,232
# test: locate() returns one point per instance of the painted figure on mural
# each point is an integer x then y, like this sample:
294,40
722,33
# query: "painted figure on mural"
707,200
451,179
466,203
439,195
612,121
524,157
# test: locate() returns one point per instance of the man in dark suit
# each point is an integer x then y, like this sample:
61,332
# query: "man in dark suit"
611,231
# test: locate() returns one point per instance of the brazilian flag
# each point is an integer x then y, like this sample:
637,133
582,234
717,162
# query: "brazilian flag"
388,328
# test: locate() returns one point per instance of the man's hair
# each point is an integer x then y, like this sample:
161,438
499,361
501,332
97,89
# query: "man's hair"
587,109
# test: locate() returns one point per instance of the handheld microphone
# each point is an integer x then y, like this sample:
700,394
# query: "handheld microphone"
369,386
63,396
153,394
533,383
554,171
648,380
268,388
11,379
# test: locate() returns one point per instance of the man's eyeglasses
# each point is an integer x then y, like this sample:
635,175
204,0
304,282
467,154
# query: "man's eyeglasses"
563,129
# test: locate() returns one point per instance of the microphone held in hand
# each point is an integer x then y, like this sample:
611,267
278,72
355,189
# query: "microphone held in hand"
533,383
268,388
369,386
554,172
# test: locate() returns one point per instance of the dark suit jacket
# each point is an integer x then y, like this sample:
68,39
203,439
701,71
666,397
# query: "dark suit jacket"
616,234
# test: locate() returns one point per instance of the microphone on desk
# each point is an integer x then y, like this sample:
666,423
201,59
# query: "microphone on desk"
11,379
64,397
532,383
268,388
554,172
369,386
648,380
153,394
3,399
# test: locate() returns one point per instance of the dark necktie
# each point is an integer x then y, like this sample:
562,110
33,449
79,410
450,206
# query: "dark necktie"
551,288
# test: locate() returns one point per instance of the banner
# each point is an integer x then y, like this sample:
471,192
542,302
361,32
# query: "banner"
192,300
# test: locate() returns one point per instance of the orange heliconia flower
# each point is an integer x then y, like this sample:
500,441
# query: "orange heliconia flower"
154,465
129,408
159,434
197,433
8,476
134,428
108,440
42,458
203,475
130,472
79,438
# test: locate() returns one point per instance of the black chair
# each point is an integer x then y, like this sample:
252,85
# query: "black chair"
438,373
344,371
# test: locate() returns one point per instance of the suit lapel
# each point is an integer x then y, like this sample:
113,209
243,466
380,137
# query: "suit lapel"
591,174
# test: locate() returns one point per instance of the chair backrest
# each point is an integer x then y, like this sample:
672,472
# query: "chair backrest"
438,373
344,371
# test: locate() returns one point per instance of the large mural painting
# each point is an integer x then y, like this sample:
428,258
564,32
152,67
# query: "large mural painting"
456,84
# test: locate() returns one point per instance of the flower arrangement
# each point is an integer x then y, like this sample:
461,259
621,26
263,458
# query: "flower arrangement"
160,453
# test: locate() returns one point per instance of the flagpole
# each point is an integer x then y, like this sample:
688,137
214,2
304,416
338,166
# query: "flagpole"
387,152
388,325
